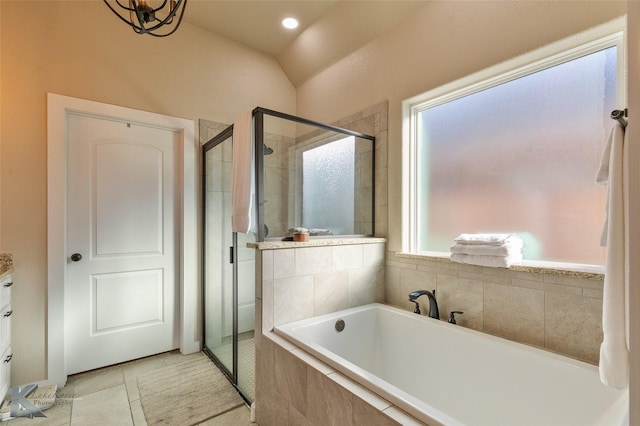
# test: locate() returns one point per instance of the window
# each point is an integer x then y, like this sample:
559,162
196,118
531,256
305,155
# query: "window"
328,186
517,152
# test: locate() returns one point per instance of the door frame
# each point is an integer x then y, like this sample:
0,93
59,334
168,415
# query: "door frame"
187,247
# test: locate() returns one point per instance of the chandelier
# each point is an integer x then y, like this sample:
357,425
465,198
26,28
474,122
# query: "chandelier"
146,19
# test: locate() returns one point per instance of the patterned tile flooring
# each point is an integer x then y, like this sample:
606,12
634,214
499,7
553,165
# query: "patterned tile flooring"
109,397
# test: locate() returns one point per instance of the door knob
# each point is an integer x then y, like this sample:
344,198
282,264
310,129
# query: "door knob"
76,257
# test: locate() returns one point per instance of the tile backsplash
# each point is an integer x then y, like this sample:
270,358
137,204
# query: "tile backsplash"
558,312
307,281
544,308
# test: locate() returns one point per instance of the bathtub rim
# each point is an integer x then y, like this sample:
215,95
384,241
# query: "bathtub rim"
403,400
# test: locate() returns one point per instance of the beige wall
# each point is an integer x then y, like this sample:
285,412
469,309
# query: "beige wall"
443,41
80,49
0,121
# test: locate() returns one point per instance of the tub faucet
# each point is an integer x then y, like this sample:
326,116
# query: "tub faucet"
433,304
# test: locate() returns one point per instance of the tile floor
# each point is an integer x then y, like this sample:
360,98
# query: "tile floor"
109,397
246,361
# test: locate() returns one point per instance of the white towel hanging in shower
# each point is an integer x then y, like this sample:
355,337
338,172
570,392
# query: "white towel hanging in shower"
242,183
614,351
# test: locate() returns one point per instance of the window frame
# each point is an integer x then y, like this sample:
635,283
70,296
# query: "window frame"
605,36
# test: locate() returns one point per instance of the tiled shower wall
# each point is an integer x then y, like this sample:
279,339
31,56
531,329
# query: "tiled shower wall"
373,121
301,281
276,186
556,310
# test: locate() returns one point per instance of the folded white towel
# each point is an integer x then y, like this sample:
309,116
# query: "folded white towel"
512,248
614,351
480,260
493,239
242,188
314,232
320,231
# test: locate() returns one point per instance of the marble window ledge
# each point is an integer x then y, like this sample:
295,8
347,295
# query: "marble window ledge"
321,242
567,270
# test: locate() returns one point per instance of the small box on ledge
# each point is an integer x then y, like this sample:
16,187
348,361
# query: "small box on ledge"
300,234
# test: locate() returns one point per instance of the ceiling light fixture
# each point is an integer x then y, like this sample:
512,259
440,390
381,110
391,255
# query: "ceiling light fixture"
290,23
146,19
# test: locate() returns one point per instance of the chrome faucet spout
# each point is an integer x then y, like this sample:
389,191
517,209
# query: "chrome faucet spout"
433,303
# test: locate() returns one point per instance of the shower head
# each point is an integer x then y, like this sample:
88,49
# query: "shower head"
267,150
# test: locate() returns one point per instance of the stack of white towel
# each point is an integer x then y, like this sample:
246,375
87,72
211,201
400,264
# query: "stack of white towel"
497,250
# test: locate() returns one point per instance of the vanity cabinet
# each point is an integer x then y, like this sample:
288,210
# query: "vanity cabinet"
5,334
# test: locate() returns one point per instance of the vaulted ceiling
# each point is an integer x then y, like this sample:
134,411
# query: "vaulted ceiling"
329,29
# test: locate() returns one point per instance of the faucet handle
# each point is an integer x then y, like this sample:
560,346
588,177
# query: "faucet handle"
452,316
416,310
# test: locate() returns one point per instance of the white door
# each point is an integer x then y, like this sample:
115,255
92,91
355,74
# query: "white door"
121,298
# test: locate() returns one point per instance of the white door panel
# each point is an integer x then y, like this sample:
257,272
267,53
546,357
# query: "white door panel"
120,298
128,203
139,292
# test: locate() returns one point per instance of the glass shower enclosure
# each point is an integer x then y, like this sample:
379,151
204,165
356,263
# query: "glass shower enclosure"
228,273
312,175
307,174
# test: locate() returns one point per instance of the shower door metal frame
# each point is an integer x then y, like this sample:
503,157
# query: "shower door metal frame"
231,375
258,124
258,115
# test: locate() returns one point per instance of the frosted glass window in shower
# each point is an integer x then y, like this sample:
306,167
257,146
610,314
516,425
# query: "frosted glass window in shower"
520,157
328,196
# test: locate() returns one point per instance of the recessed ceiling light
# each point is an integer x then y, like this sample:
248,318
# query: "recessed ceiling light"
290,23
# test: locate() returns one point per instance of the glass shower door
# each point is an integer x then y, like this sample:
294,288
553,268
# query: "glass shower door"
245,354
218,270
228,273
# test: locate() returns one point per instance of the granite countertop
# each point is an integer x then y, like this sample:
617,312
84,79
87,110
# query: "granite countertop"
320,242
6,264
593,273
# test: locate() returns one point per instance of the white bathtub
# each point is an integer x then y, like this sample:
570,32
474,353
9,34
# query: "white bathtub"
446,374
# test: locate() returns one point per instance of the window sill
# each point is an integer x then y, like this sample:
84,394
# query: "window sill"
554,268
313,242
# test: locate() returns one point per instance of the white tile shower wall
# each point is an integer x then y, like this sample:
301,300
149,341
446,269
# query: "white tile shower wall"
374,121
554,310
277,189
299,283
292,387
